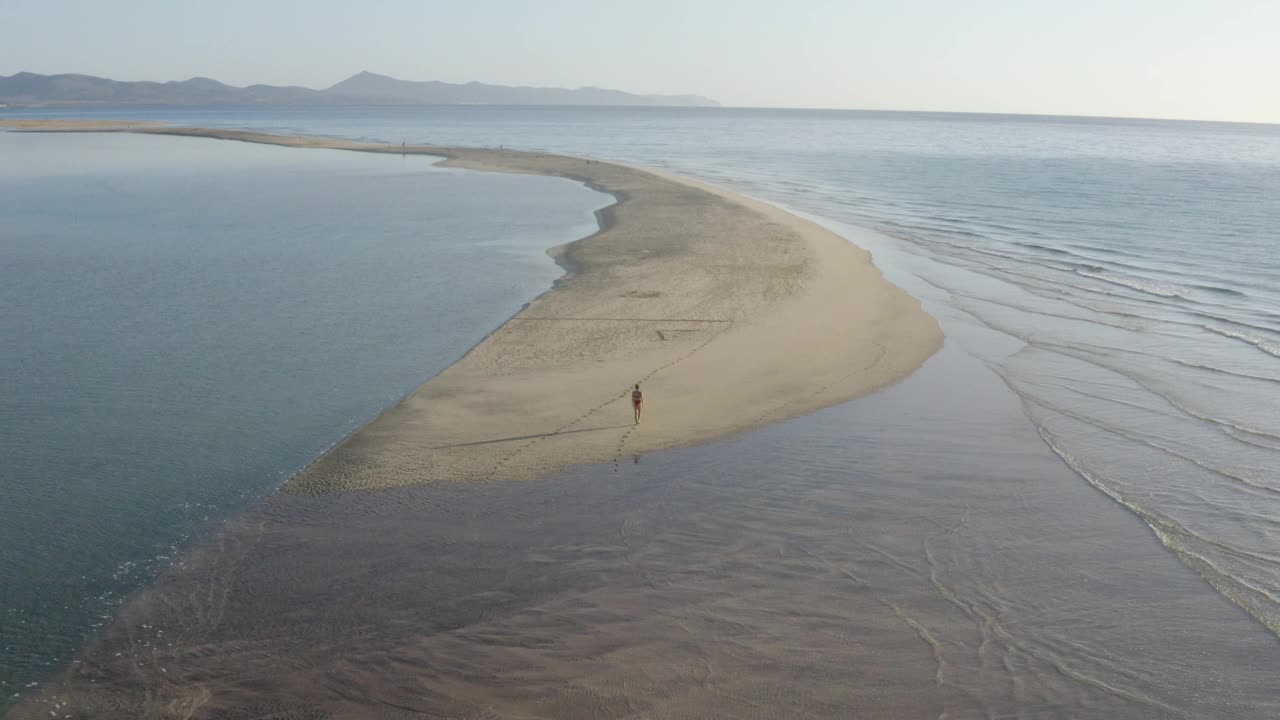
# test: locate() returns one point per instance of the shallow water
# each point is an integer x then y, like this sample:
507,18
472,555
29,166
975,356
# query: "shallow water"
918,553
188,322
989,538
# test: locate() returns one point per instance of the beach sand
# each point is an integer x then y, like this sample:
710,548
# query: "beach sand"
729,312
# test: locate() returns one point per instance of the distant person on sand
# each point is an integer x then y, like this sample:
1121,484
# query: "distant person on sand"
637,402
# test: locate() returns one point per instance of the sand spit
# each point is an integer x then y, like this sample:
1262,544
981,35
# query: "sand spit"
78,125
730,312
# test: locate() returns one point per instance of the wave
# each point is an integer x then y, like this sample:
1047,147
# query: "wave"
1140,307
1069,263
1104,250
1243,432
1263,344
1060,265
937,235
1136,322
1168,450
1217,318
1045,248
1224,371
1258,437
1256,601
1149,287
1194,365
1070,293
1146,285
1027,308
1219,290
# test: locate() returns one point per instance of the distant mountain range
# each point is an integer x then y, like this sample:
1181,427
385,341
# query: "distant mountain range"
364,88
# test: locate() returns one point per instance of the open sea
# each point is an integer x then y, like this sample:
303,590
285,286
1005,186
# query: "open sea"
1073,510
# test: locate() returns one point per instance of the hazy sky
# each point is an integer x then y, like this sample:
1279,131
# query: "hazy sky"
1153,58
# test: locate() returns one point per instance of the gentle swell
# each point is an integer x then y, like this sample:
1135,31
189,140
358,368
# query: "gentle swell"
1150,287
1261,343
1256,601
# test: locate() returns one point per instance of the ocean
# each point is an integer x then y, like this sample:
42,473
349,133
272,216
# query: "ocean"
1072,510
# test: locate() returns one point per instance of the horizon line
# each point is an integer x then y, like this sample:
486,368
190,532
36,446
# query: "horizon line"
70,106
719,105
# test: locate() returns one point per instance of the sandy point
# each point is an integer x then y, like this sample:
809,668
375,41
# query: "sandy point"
76,125
730,313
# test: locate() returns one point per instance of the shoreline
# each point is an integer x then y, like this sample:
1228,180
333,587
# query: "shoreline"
730,312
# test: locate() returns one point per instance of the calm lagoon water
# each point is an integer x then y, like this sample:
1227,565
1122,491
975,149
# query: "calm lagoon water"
1072,511
188,322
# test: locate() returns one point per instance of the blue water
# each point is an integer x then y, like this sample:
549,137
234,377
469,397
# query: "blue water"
188,322
1119,278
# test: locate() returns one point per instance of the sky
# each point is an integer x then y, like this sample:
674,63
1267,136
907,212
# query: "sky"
1188,59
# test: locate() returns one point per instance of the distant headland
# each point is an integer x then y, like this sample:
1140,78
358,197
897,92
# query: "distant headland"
365,88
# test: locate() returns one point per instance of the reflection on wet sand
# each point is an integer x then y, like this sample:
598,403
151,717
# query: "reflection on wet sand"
918,553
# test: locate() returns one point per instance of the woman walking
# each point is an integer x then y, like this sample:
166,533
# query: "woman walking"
637,402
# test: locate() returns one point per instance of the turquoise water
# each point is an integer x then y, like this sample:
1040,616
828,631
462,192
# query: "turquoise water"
1108,290
188,322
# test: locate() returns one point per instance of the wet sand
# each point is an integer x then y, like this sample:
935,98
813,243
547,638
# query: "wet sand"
731,314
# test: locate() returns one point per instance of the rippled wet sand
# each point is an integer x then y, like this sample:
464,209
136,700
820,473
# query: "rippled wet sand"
918,553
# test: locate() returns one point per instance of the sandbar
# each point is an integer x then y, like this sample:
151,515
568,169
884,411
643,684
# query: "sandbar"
729,312
70,125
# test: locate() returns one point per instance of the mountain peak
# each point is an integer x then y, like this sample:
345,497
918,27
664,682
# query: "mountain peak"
363,88
375,88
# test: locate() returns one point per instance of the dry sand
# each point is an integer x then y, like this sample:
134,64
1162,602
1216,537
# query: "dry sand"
731,313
